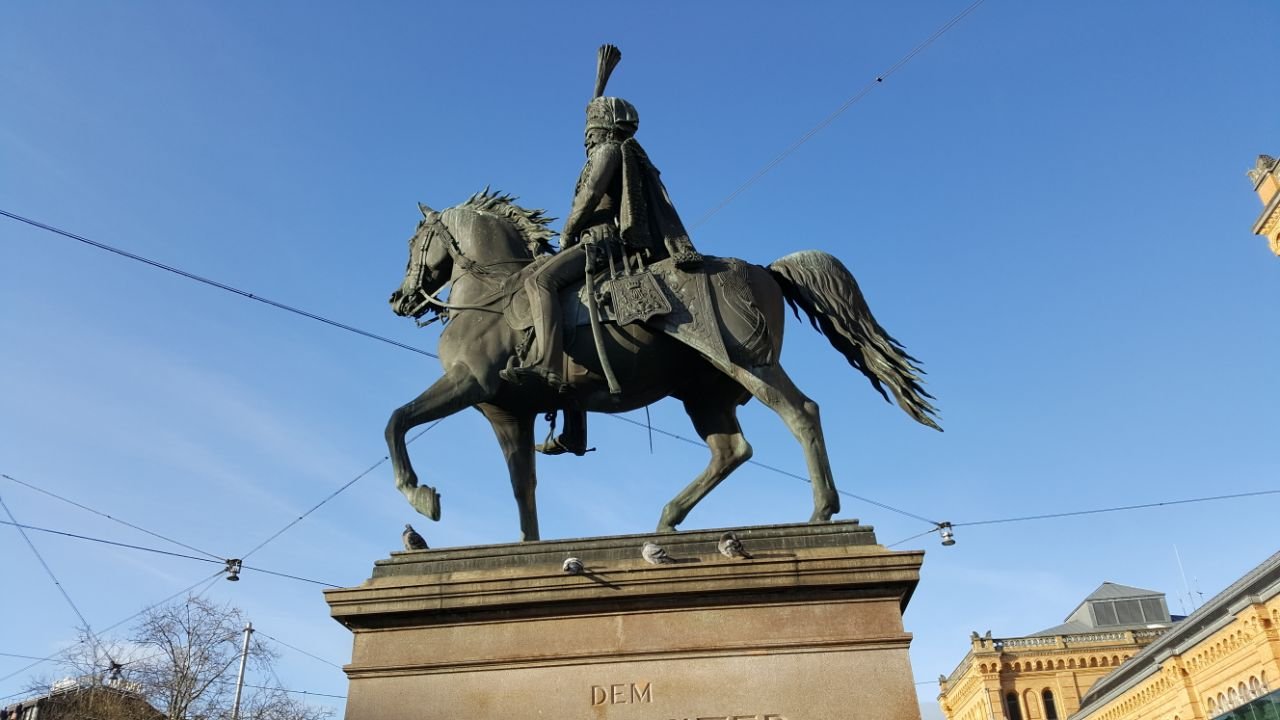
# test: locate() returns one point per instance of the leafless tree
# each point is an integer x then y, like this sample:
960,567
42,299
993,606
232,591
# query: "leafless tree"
183,659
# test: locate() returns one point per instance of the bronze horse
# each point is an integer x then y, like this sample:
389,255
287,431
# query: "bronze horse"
482,245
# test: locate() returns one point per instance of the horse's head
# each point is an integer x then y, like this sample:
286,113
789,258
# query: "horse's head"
429,266
485,236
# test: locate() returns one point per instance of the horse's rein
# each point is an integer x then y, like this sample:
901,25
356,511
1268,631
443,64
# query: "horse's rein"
469,267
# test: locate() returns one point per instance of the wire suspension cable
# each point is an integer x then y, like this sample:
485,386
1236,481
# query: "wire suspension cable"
109,517
157,551
779,471
296,649
65,595
879,79
215,283
335,493
111,627
1120,508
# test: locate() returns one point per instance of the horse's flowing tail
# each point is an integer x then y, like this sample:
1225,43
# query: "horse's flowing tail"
823,287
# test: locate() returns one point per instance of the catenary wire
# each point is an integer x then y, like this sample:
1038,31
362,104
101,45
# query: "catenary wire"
879,79
913,537
296,649
158,551
113,626
109,517
65,595
335,493
780,471
215,283
1119,508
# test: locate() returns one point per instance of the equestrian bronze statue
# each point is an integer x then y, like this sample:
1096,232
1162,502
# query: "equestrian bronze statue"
626,313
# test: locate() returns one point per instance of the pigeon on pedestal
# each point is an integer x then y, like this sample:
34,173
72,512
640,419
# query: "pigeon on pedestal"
412,540
731,547
655,554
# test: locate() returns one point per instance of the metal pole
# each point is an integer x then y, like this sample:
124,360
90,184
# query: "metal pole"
244,658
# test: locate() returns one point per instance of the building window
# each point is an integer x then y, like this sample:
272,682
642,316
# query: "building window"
1050,710
1011,708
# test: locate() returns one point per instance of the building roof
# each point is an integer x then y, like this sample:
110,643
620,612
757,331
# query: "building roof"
1079,620
1259,584
1115,591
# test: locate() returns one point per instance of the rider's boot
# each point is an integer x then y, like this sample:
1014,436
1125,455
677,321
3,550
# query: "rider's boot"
572,440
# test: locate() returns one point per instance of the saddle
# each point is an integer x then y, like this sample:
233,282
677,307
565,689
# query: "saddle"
710,309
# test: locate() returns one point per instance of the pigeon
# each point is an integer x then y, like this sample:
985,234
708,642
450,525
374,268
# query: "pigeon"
412,540
655,555
731,547
572,565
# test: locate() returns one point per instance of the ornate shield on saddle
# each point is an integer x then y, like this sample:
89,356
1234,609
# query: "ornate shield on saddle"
635,297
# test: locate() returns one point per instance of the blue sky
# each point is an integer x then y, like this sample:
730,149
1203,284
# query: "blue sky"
1048,206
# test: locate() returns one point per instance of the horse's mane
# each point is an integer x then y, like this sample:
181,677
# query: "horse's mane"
531,224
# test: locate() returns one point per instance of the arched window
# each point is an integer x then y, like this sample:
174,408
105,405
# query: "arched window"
1233,697
1211,704
1222,701
1255,687
1011,708
1263,675
1050,709
1244,692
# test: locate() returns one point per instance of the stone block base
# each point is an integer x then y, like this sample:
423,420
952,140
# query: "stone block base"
809,629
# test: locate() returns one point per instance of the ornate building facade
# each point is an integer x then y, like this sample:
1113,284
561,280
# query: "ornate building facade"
1221,663
1266,182
1045,675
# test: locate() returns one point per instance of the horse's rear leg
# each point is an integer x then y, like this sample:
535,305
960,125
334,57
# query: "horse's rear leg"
515,436
456,390
771,385
715,417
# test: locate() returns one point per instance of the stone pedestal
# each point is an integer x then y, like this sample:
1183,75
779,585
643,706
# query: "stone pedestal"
809,629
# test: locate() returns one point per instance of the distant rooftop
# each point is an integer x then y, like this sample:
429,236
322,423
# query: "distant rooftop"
1113,607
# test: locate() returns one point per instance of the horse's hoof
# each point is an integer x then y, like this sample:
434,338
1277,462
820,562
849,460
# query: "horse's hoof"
425,500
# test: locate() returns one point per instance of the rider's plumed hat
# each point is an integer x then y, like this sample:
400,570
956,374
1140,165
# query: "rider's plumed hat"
610,113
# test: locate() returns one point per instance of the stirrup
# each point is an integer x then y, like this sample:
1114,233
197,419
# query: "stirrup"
540,373
555,446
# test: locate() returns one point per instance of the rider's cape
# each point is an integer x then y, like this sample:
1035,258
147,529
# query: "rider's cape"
647,220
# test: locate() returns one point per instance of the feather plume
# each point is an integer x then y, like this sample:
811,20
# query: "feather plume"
606,60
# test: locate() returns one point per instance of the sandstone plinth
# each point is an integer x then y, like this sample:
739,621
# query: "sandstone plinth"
809,629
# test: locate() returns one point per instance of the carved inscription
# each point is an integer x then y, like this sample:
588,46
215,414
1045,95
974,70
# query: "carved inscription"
621,694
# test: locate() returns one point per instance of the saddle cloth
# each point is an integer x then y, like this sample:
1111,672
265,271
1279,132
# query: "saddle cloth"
712,310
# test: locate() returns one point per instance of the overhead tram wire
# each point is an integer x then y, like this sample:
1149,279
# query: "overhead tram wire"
297,649
1119,508
158,551
335,493
780,471
111,627
1096,511
109,517
879,79
216,284
65,595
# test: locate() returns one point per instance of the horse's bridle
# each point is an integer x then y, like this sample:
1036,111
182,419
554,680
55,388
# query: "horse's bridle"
435,225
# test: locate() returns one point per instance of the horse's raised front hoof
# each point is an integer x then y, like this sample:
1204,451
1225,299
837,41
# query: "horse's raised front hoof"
425,500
